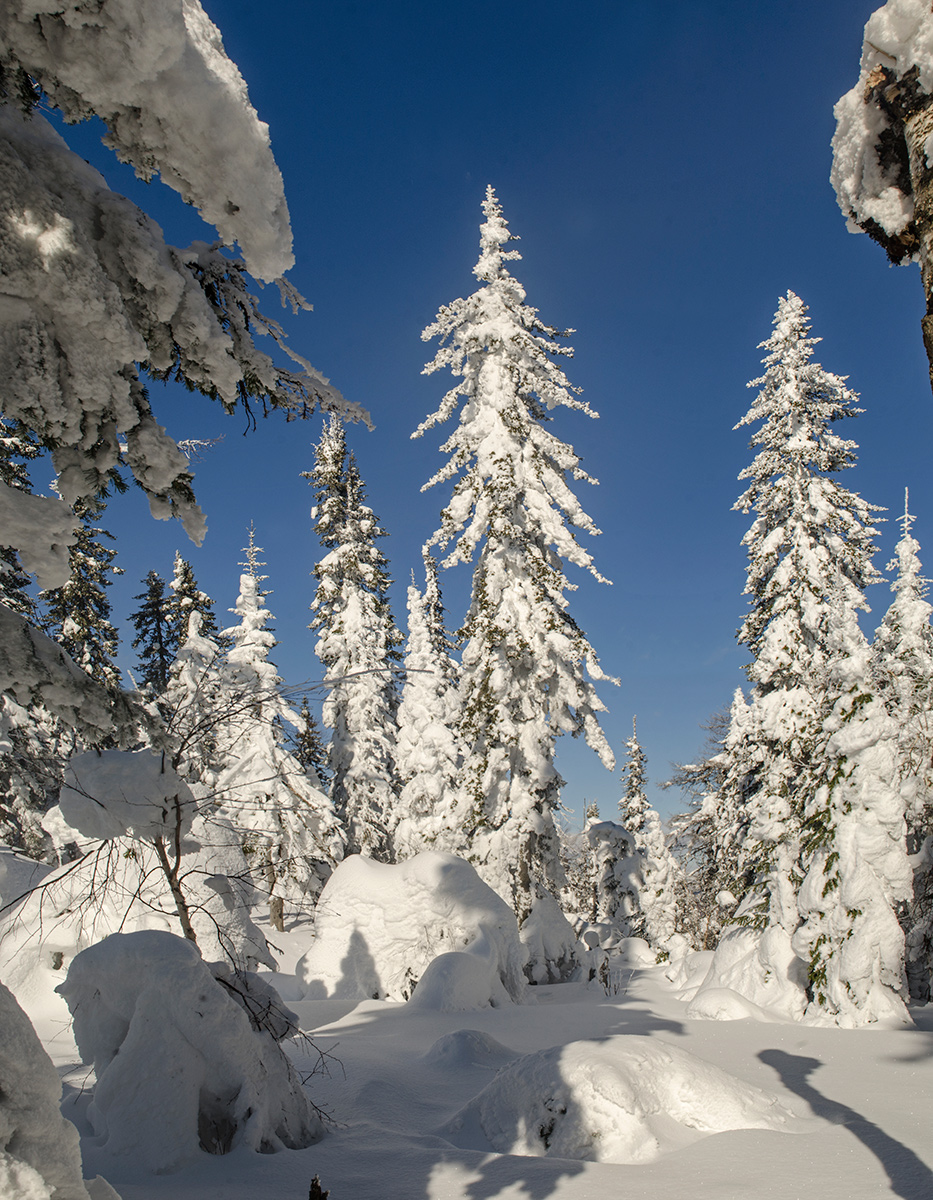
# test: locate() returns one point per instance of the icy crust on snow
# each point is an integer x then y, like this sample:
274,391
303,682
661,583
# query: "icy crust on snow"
115,793
381,929
180,1069
622,1099
40,1156
898,36
156,72
751,971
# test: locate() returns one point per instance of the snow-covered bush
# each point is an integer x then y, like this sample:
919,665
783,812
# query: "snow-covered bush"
40,1157
119,886
378,927
180,1067
623,1099
553,952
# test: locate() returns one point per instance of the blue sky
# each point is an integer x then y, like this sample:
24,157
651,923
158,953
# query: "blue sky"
666,167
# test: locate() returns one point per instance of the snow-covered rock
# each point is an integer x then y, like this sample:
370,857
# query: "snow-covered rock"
180,1068
40,1157
623,1099
379,927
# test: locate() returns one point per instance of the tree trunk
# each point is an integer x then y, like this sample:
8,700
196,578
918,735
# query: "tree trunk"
276,903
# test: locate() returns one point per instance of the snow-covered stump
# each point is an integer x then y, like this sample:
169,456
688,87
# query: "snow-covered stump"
181,1066
382,931
40,1155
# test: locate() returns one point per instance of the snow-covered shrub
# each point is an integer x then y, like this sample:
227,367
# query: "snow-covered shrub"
553,952
167,1039
759,966
40,1156
379,926
118,886
623,1099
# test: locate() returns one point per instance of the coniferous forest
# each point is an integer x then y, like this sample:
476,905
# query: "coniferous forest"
262,935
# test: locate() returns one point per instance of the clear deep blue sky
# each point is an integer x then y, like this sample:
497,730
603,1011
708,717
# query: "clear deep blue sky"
666,167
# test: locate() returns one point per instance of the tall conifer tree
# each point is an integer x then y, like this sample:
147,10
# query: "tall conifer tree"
810,551
153,640
525,660
358,643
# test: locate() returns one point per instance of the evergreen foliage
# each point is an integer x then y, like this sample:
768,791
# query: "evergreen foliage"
654,895
78,613
524,659
17,448
287,825
153,642
187,598
902,675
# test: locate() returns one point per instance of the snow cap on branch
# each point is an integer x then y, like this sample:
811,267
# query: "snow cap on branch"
157,74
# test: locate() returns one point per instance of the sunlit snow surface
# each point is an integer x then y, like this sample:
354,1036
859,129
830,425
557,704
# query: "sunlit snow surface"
400,1077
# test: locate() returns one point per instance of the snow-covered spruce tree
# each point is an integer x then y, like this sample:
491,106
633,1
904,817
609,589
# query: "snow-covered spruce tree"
856,873
102,299
153,640
77,614
306,744
880,154
186,598
358,643
902,675
287,826
525,659
810,553
654,914
428,753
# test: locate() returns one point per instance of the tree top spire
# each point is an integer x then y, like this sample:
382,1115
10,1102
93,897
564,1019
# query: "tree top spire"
494,233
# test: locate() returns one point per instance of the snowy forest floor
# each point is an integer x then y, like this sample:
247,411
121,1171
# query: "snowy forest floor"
862,1103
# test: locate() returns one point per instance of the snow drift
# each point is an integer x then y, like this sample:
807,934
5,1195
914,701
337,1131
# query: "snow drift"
624,1099
167,1038
428,923
39,1152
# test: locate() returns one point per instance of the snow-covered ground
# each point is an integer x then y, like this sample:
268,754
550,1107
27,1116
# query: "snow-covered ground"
434,1104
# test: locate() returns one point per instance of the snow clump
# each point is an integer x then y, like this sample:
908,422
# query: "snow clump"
379,927
625,1099
166,1038
112,793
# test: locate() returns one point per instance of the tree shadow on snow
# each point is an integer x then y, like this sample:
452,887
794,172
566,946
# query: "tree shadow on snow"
910,1177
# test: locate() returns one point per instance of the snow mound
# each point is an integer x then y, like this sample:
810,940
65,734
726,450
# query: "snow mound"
40,1156
166,1038
468,1048
379,927
624,1099
751,971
